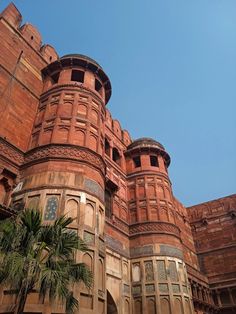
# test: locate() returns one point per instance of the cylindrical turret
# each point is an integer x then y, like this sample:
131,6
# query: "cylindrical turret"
64,168
72,106
149,187
158,269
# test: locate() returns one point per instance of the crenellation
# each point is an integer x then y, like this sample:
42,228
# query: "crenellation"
148,252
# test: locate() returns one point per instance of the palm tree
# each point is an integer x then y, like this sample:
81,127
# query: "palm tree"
35,256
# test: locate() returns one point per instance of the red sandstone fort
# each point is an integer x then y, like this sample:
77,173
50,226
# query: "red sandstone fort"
62,152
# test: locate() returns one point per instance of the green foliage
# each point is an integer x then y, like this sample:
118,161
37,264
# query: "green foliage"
41,257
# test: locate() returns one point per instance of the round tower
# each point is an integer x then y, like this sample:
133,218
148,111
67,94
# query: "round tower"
159,278
64,168
72,106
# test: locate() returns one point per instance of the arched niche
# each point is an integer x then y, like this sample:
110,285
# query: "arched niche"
111,305
92,142
101,222
78,137
47,135
141,191
88,260
71,208
164,214
66,109
160,192
62,135
138,307
154,213
149,274
52,110
33,202
168,194
100,275
125,272
151,191
82,109
187,306
165,306
151,305
136,273
94,116
89,215
127,307
51,208
161,270
131,193
178,306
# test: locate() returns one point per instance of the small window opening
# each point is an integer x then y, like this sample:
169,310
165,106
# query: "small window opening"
98,86
77,76
55,78
116,155
137,161
107,147
32,37
154,161
108,204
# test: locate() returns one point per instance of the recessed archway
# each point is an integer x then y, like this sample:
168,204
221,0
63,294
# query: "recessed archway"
111,305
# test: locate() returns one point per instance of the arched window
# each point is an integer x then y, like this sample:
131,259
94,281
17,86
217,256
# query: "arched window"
116,156
107,147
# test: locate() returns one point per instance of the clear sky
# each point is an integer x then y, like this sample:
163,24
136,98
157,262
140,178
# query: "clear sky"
172,65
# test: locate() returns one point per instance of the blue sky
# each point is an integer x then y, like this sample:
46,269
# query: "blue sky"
172,65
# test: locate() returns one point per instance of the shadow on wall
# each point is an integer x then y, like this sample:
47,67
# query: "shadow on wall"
111,306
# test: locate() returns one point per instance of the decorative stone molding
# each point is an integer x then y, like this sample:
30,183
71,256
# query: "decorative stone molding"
154,227
65,151
119,224
116,246
11,152
73,86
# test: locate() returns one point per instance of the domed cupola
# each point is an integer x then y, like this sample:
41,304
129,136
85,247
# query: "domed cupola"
146,154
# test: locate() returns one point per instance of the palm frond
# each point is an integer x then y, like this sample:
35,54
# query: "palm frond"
80,272
71,303
38,256
63,221
32,220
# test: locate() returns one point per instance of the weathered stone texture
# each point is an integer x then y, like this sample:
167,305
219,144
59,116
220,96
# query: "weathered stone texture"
63,153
